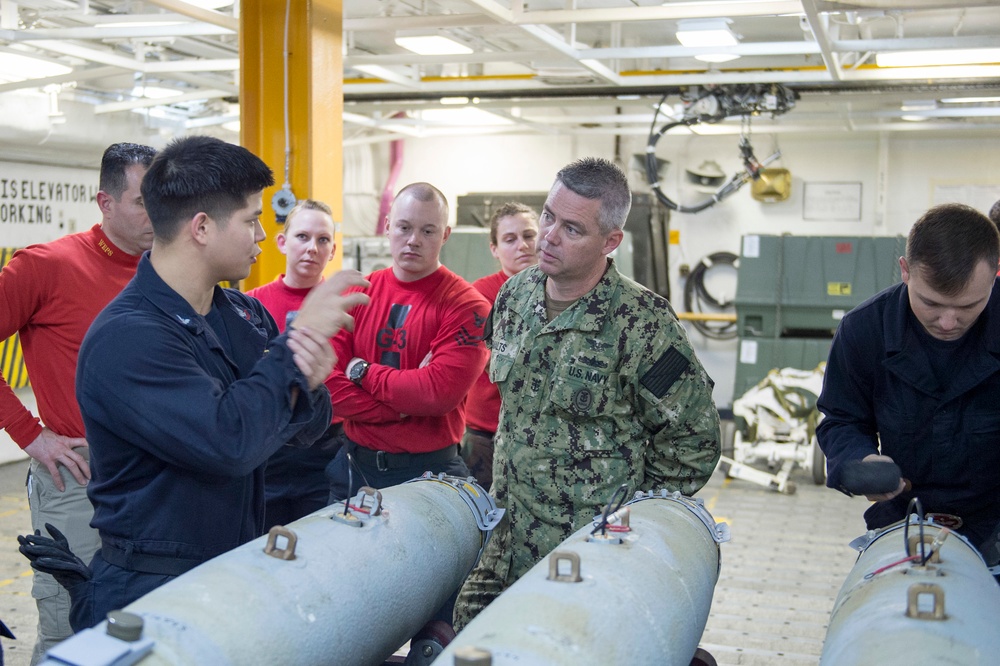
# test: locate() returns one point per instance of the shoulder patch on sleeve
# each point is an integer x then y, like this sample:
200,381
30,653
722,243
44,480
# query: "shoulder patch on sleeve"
488,327
665,372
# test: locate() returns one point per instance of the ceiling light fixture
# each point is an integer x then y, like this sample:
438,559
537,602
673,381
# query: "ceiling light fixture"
432,45
938,58
210,4
969,100
15,67
154,92
463,117
701,33
706,32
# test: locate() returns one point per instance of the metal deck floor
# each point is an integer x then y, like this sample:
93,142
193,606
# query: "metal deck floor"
781,571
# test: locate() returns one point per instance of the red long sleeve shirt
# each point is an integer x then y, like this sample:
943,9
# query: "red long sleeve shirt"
483,407
401,407
50,294
280,300
283,302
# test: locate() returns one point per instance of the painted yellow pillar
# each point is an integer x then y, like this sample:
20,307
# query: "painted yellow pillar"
315,107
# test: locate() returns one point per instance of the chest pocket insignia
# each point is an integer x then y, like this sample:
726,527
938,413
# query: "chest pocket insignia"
583,399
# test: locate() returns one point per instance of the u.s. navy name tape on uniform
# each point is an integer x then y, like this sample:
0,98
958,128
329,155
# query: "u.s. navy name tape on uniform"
608,392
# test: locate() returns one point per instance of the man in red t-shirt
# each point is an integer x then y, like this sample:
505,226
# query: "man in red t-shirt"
49,295
402,375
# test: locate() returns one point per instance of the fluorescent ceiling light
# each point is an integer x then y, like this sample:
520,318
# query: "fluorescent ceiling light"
210,4
232,126
717,57
937,58
463,117
15,67
915,119
706,32
454,100
154,92
432,45
969,100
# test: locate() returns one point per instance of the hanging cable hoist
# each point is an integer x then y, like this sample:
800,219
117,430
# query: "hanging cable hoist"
711,104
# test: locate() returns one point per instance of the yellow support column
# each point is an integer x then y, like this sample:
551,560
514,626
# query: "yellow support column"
315,106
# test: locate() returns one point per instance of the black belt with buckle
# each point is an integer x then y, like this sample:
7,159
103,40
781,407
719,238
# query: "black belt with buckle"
383,461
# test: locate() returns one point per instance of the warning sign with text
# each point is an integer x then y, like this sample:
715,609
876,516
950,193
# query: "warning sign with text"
41,203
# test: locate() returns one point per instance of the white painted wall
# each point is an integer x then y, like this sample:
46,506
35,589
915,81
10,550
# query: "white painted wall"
914,166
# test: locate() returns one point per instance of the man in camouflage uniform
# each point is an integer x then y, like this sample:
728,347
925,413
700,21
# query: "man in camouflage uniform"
599,383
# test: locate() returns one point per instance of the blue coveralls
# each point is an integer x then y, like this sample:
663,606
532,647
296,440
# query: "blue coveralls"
180,423
946,440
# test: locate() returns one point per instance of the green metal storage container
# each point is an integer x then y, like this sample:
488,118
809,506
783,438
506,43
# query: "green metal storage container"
792,292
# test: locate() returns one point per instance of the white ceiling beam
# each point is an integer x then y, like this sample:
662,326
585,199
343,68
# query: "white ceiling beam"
391,76
158,66
85,53
748,49
434,22
195,123
147,102
818,25
669,12
414,59
673,11
206,82
392,125
493,9
75,75
99,19
929,74
546,35
625,118
917,43
539,128
193,65
120,32
198,14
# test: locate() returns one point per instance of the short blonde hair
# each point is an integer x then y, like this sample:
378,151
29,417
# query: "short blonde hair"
306,204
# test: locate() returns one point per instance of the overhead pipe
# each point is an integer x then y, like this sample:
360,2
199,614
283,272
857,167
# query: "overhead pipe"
348,584
389,191
637,591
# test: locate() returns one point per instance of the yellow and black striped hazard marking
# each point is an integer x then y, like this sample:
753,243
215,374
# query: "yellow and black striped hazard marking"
11,358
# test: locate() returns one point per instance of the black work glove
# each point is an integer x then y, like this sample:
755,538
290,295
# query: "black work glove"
53,556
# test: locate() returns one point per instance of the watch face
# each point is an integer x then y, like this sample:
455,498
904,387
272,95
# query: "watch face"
358,371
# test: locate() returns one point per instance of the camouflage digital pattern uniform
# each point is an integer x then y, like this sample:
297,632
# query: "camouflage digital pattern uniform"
608,392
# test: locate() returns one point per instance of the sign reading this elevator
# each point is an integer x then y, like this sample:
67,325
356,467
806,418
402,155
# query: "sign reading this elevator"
41,203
